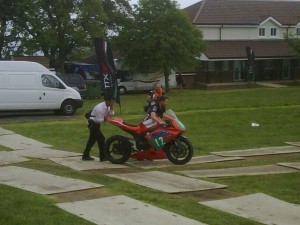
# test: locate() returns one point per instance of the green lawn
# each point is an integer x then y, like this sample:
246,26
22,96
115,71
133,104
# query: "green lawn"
215,120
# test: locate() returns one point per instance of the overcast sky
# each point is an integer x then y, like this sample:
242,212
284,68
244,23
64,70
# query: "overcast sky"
182,3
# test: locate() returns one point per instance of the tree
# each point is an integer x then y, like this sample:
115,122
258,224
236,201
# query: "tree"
294,42
57,28
118,14
160,37
10,17
62,30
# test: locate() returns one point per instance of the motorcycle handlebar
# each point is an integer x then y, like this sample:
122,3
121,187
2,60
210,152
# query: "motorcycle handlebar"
166,124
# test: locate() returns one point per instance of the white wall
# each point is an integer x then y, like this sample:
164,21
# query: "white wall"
210,33
244,32
230,33
270,24
239,33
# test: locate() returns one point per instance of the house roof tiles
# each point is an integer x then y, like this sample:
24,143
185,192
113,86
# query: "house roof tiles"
244,12
237,49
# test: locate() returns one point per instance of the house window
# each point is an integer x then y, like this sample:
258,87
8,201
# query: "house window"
225,65
209,66
298,32
262,32
273,32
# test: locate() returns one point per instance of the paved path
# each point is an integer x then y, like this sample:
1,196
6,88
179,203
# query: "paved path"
16,141
260,151
294,165
122,210
259,207
239,171
146,164
166,182
44,153
129,211
7,158
40,182
77,164
293,143
268,84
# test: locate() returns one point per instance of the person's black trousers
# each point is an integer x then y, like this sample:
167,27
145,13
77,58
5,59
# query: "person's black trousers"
95,135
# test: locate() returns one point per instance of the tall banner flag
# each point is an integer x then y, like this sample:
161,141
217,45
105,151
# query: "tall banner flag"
109,84
251,63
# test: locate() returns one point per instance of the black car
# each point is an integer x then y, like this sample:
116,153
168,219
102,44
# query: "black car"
74,81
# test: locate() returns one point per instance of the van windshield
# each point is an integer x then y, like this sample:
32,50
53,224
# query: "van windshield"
51,81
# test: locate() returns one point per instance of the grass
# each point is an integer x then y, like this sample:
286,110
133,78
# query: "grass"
276,185
215,120
22,207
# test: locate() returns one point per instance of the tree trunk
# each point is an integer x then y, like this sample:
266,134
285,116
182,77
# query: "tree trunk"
62,66
52,58
61,59
166,74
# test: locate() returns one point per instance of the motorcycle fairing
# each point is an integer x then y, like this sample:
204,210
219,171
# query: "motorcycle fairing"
158,138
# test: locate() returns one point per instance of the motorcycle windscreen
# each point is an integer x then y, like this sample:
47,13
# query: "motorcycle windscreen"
180,125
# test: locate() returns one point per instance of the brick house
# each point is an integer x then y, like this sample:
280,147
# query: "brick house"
229,26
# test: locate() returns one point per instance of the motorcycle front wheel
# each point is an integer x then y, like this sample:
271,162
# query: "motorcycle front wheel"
180,151
117,149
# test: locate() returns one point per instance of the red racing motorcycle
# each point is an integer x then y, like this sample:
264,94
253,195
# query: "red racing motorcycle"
150,141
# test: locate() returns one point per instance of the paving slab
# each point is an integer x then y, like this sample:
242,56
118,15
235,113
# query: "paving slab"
167,182
294,165
5,132
16,141
40,182
268,84
122,210
260,207
293,143
238,171
44,153
7,158
195,160
76,163
260,151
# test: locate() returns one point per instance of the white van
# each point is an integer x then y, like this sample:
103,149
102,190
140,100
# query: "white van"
31,86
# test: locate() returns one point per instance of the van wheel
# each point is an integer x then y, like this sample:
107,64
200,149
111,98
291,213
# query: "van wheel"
122,90
68,108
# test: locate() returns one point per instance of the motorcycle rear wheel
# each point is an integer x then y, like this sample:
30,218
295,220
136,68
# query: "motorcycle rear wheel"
180,151
117,149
